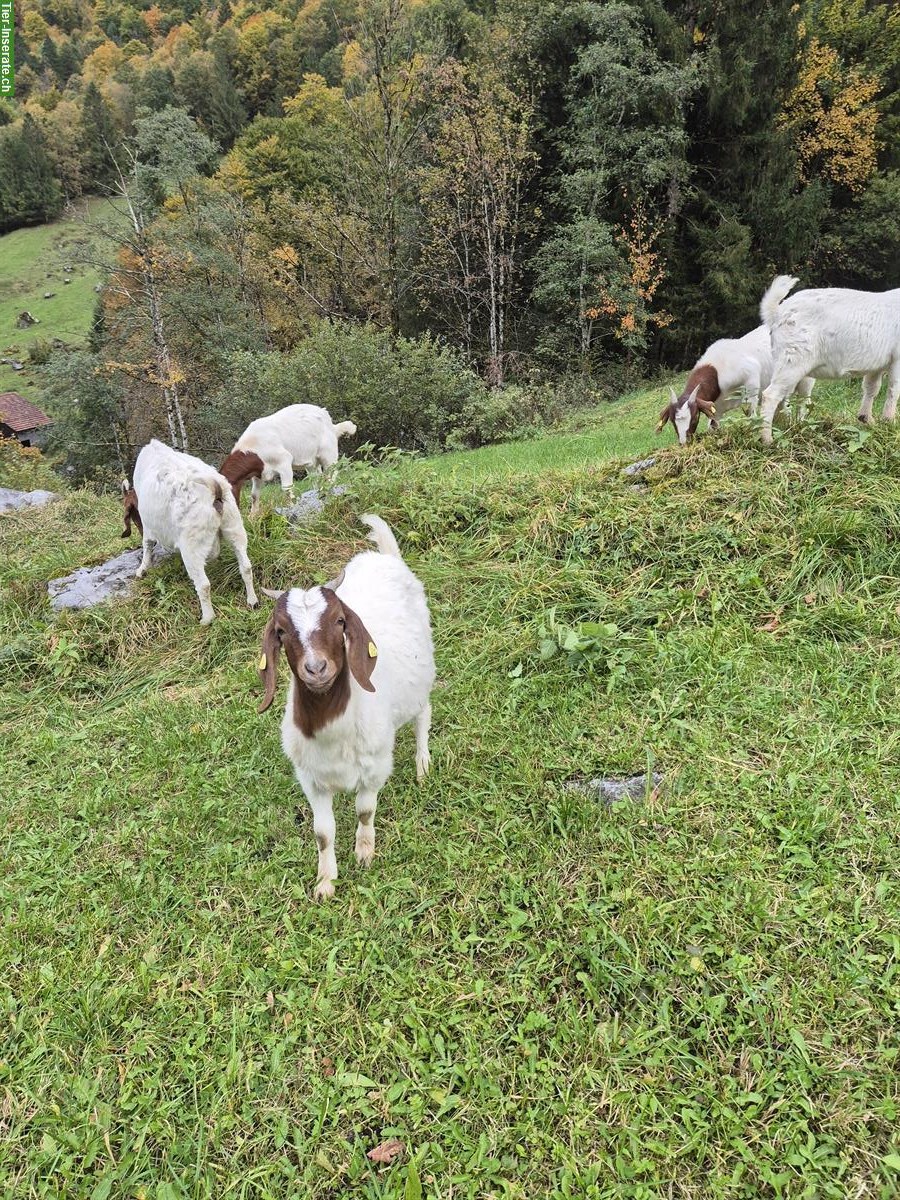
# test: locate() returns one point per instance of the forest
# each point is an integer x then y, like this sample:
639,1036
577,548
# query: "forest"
449,220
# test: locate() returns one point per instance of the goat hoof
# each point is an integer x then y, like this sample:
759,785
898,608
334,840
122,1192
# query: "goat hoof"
863,419
365,852
422,766
253,604
324,889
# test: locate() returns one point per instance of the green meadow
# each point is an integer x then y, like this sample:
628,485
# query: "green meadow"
691,994
31,264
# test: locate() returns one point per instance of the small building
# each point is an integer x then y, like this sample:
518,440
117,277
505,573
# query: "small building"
22,420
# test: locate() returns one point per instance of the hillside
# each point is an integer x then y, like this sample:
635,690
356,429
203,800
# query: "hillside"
693,995
35,262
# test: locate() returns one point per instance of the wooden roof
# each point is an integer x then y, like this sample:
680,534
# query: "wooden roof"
20,414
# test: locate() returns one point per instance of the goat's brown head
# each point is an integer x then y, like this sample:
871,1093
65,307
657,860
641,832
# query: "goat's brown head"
238,467
699,396
131,513
325,642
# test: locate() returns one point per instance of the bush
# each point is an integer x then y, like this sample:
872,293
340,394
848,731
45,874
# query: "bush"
411,393
39,352
25,468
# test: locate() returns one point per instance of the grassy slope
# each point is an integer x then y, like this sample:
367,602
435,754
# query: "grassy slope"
33,261
693,996
622,430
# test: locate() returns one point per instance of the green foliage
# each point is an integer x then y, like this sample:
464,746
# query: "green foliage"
25,468
403,392
89,431
29,194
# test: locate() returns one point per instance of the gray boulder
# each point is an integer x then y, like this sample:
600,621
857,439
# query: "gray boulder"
92,585
10,499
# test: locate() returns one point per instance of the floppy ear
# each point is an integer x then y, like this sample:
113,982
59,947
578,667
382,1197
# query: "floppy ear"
706,407
132,513
362,653
665,415
268,663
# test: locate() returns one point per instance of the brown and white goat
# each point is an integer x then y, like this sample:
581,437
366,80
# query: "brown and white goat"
730,369
300,436
362,665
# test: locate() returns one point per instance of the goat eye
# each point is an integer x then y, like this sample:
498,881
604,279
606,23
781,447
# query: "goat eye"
342,623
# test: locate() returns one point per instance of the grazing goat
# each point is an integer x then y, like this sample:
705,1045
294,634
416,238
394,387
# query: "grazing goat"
362,665
714,385
301,435
182,504
830,333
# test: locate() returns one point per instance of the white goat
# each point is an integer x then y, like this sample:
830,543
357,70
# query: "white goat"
362,665
714,387
830,333
182,504
301,435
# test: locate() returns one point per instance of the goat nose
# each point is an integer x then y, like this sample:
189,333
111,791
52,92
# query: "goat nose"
315,666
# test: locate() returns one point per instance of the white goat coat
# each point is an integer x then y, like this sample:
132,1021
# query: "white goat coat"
744,362
304,432
832,333
836,332
355,752
176,496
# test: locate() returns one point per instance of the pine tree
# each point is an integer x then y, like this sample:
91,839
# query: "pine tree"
98,138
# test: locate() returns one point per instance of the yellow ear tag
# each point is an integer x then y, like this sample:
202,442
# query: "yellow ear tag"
712,409
373,650
262,662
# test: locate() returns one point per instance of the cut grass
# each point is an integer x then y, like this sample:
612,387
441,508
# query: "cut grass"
693,996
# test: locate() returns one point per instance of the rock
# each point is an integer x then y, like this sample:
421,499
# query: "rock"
16,366
92,585
308,505
637,467
608,791
49,295
10,500
26,319
67,281
98,287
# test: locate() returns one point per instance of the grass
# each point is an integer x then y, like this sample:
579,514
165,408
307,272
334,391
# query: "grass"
621,430
691,996
33,262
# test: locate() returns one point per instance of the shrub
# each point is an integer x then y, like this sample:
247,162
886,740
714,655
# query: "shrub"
39,352
411,393
25,468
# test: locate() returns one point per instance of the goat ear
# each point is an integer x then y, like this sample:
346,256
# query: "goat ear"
268,663
706,407
362,653
272,593
665,415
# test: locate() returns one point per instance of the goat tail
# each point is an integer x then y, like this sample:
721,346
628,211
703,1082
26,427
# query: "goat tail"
776,292
380,534
219,501
343,427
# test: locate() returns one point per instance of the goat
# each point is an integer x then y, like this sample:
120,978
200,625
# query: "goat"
831,333
714,385
362,665
301,435
182,504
